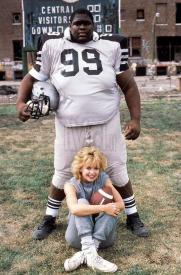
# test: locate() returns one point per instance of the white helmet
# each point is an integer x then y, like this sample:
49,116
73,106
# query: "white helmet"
44,99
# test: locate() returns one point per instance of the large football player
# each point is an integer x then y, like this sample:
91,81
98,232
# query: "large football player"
86,71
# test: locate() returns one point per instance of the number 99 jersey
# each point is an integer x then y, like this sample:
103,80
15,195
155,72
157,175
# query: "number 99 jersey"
85,77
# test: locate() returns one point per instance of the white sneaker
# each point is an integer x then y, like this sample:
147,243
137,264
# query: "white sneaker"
74,262
98,263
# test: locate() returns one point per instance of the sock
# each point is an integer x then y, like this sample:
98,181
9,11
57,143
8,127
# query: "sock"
130,205
88,244
97,243
52,207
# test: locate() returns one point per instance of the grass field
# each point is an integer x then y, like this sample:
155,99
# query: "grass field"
26,167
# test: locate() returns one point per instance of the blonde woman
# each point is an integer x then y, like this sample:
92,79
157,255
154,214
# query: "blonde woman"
85,231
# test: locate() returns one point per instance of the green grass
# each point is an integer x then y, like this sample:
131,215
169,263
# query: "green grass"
26,168
7,110
7,257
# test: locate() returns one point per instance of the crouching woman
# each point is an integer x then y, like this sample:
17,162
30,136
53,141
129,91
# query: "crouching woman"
90,227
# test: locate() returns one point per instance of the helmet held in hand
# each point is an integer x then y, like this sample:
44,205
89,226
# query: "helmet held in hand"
44,99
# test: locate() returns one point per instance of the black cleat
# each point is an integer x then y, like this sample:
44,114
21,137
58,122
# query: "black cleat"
134,224
45,228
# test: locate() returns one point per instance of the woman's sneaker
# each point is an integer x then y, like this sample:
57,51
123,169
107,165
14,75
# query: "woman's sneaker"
97,263
74,262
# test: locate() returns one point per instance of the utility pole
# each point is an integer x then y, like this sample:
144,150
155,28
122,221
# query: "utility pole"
154,44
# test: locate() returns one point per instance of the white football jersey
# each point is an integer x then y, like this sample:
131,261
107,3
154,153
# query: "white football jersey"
85,77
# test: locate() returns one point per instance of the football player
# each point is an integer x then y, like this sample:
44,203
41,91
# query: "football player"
87,70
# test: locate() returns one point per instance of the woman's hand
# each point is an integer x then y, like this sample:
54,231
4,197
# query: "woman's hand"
112,209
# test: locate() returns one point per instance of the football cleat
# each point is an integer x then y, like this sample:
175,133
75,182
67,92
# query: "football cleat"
44,99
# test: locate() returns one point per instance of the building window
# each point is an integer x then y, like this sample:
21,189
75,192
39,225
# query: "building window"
140,14
135,46
123,14
161,8
178,13
16,18
17,49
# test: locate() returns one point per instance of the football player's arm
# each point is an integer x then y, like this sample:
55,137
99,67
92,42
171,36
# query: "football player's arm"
24,93
40,71
78,209
129,88
117,197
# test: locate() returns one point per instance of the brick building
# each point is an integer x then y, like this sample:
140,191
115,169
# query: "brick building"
153,28
10,39
154,32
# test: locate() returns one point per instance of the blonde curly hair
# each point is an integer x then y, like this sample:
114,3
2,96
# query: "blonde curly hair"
90,156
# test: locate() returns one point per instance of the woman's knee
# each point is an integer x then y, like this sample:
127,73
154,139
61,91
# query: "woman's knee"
107,218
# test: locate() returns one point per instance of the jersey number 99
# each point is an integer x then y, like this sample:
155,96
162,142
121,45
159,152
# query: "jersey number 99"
94,59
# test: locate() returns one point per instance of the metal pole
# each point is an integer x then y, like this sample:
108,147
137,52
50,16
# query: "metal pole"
154,44
23,15
155,41
119,15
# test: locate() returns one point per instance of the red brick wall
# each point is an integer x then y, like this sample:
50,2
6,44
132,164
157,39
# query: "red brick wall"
132,27
8,31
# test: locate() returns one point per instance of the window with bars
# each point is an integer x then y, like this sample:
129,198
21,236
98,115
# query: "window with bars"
123,14
135,46
16,18
17,49
178,13
161,8
140,14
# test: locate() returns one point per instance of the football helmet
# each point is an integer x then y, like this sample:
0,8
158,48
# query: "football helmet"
44,98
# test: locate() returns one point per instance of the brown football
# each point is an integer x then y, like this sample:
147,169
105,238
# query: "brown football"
102,196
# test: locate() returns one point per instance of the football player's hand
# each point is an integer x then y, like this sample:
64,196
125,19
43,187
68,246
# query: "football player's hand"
112,209
132,129
23,112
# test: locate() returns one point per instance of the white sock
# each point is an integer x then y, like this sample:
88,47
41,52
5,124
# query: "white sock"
97,243
52,207
88,244
130,205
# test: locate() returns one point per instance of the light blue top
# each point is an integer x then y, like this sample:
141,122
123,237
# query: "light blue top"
85,190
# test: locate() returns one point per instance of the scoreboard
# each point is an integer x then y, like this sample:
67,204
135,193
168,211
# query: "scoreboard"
52,16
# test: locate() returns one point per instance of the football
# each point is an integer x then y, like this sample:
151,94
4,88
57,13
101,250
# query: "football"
102,196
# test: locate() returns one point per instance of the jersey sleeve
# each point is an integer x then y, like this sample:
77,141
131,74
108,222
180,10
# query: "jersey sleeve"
121,55
41,69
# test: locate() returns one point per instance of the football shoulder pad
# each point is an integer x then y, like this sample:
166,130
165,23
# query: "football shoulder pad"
123,43
121,39
44,37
